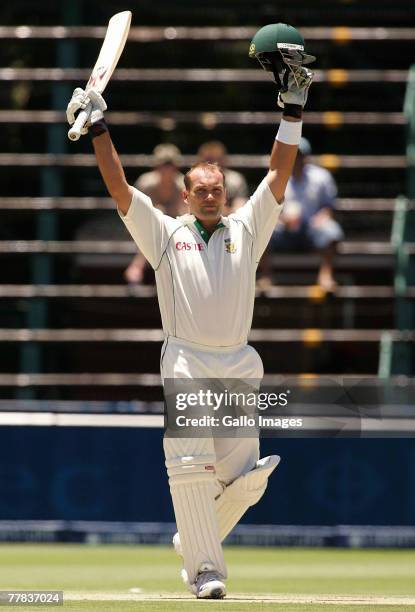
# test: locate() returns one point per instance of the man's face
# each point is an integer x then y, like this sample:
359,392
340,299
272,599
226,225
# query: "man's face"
206,196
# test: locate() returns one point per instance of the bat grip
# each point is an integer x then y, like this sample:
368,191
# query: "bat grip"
83,116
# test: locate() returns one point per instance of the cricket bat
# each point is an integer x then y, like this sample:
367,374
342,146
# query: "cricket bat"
112,47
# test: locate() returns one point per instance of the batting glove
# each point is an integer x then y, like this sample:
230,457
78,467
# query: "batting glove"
80,100
296,92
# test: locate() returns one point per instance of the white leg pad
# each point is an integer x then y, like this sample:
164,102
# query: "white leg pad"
192,487
235,500
244,492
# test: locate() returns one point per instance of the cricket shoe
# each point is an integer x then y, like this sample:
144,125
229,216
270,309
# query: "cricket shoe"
209,583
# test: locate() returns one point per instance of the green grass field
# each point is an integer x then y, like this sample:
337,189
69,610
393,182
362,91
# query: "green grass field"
101,578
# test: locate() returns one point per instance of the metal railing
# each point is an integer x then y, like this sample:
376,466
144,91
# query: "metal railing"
367,205
168,120
328,160
149,291
307,336
399,359
334,76
108,247
144,34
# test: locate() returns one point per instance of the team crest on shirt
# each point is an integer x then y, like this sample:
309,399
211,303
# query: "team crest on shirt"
230,247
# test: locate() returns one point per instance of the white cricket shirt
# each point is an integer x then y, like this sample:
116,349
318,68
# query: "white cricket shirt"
206,290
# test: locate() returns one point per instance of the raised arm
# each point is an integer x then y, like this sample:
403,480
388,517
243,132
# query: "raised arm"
284,150
112,172
109,163
281,165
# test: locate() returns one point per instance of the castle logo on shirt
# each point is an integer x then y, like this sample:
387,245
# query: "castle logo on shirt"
189,246
230,247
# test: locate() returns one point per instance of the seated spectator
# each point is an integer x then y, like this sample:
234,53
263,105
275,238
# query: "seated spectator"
306,222
164,185
236,185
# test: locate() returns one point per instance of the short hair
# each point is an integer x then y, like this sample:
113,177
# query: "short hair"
208,167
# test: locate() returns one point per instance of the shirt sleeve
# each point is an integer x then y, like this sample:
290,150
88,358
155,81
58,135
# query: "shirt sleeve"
147,226
260,215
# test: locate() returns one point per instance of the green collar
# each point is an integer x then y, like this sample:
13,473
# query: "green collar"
203,232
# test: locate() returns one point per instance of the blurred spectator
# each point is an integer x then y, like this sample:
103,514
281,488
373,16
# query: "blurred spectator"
164,185
306,222
236,186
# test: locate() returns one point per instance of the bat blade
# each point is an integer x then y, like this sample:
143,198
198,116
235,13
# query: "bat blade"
112,47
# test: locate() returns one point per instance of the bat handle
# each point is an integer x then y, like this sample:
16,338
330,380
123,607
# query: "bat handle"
83,116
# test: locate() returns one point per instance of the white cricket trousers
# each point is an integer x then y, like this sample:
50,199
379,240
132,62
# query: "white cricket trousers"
182,359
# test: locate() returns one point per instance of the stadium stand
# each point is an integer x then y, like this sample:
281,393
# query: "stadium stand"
63,303
75,340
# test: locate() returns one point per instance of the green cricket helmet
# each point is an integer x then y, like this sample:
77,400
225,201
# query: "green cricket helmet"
277,46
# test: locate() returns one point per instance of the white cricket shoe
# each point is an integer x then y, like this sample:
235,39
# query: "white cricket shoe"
209,583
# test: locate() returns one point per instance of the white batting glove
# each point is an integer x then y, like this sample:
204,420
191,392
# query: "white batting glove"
80,100
76,103
98,106
299,82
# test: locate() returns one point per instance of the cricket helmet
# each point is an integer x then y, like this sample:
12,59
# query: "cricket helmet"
277,46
